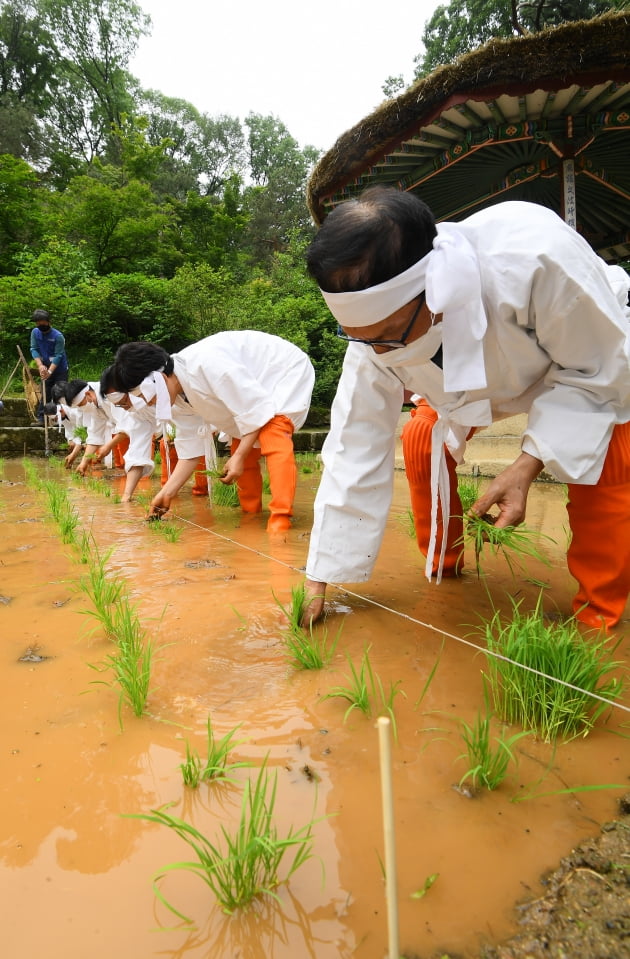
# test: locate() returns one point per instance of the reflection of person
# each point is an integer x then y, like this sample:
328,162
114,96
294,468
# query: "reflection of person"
509,311
251,385
48,349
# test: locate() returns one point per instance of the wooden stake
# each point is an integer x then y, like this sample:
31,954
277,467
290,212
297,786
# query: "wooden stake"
391,884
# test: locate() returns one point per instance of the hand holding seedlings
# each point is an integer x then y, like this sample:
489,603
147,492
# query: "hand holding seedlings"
509,492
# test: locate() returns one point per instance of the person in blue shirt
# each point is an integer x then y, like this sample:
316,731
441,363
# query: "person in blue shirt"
48,349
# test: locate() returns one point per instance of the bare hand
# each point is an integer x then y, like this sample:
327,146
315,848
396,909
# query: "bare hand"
232,470
509,491
159,506
314,605
44,373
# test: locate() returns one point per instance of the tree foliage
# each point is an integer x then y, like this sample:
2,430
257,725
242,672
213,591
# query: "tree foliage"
462,25
129,214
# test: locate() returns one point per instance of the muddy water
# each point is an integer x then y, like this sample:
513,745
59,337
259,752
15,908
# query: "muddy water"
75,873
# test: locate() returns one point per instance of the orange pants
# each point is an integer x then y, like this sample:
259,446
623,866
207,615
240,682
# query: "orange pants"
201,480
599,552
276,445
119,453
599,517
416,445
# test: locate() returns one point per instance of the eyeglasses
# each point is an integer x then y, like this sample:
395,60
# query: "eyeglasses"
391,344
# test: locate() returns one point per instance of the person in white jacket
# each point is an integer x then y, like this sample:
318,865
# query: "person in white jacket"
252,386
509,311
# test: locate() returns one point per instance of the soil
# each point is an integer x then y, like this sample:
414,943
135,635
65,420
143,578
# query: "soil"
76,872
585,909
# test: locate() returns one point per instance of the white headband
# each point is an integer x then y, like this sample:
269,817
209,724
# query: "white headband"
80,396
154,385
450,276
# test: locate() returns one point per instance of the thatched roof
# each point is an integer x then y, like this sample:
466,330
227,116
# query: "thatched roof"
495,124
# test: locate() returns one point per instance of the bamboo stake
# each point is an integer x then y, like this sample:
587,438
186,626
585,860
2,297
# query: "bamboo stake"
391,884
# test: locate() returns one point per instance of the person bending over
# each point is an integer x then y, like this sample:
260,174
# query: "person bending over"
508,311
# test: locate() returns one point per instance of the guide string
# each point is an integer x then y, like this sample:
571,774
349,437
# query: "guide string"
412,619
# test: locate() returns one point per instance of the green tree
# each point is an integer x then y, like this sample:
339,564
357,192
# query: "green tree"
203,152
276,203
96,40
27,78
462,25
21,218
122,228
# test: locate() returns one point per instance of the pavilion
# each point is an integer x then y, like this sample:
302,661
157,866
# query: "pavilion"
543,117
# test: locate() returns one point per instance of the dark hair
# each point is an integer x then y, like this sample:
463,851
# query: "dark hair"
369,240
50,409
107,381
63,392
40,316
134,361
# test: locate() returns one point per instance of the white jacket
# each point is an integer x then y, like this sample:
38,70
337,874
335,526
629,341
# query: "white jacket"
556,347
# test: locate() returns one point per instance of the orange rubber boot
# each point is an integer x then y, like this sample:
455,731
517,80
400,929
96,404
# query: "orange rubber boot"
201,480
416,446
249,483
599,553
119,451
172,455
276,444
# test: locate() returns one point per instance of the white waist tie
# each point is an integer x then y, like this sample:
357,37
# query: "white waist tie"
451,430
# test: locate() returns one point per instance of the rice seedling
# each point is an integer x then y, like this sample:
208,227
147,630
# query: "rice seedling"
308,462
195,770
468,489
131,663
306,648
31,475
105,592
225,495
409,524
365,691
515,543
488,763
62,511
545,675
244,864
168,531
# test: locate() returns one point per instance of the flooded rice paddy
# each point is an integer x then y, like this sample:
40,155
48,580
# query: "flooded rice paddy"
76,872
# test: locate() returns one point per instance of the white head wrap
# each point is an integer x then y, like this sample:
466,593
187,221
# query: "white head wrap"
80,396
449,275
154,385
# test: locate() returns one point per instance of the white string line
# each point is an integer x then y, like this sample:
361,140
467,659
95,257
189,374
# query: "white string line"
417,622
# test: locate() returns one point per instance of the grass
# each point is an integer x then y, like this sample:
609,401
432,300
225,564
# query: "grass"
195,770
556,700
245,863
365,691
515,543
488,762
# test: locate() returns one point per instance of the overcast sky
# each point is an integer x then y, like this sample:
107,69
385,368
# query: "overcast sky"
319,66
